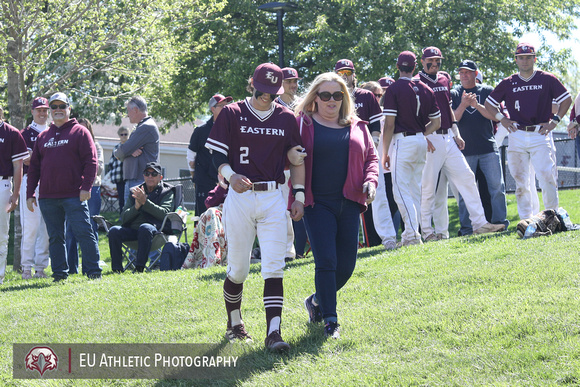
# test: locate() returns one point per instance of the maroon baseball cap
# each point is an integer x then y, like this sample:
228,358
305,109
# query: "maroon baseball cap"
290,73
386,82
525,49
406,58
432,52
39,102
217,99
344,64
268,79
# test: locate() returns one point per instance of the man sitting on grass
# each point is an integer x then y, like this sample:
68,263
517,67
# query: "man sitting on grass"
141,218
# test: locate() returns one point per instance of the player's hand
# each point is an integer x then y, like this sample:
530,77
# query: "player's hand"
460,142
85,195
296,155
137,153
371,191
139,195
572,130
240,183
547,127
31,203
510,125
386,162
430,147
296,210
13,202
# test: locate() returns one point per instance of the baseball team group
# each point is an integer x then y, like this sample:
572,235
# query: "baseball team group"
315,163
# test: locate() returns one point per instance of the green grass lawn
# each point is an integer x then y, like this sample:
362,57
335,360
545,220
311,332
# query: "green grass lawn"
469,311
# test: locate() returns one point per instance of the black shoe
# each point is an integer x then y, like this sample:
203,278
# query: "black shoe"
314,313
139,269
94,276
238,333
274,342
332,330
59,278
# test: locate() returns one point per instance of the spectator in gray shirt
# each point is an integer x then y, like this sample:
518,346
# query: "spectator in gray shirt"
142,147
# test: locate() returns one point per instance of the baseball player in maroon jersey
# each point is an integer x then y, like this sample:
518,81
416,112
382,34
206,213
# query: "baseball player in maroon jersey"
34,247
444,156
289,98
411,111
367,109
251,142
528,97
12,152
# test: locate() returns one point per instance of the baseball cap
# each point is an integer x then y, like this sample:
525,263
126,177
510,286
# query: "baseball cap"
344,64
525,49
386,82
432,52
268,79
290,73
219,98
39,102
467,64
154,166
406,58
59,97
479,77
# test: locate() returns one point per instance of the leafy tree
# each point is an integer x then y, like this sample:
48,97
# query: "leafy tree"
369,32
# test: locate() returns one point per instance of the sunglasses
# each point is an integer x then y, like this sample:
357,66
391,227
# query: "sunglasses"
123,134
54,107
149,173
325,95
378,95
258,94
346,72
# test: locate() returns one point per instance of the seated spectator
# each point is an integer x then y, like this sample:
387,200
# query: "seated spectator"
143,214
209,246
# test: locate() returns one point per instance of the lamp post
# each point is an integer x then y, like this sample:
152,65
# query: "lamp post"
279,9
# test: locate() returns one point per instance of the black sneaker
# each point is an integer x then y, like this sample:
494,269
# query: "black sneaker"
332,330
238,333
274,342
59,278
314,313
94,276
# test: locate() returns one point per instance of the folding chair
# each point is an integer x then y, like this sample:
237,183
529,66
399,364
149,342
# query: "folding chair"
177,220
109,199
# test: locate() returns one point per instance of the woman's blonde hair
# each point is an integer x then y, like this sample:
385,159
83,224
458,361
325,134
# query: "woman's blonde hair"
309,106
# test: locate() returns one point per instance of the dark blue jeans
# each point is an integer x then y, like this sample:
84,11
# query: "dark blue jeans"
71,242
144,236
54,212
333,228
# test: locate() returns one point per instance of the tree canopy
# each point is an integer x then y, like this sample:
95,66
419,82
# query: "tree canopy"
178,54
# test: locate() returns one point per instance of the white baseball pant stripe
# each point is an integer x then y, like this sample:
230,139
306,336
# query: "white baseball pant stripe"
381,209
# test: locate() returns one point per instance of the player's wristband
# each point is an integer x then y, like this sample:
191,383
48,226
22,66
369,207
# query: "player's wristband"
499,116
455,129
227,172
299,197
556,118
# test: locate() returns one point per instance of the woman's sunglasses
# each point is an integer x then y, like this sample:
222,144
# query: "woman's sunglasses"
325,95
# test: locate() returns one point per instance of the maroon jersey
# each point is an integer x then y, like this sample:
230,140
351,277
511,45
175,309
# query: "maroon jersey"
30,135
529,101
413,104
442,89
255,147
366,105
12,148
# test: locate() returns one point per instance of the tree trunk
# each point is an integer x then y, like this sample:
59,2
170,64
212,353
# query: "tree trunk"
16,120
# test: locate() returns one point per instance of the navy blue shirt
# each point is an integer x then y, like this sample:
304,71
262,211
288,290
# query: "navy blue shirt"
476,130
205,172
329,161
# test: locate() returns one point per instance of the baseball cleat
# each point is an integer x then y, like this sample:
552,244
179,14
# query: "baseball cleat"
332,330
238,333
274,342
314,313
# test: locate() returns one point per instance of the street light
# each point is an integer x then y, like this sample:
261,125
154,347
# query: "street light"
279,9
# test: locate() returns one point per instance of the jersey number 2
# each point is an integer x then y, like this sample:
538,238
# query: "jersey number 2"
244,152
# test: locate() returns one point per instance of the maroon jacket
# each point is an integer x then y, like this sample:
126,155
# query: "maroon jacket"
64,160
363,163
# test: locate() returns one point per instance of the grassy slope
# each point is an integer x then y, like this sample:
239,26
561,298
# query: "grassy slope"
469,311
